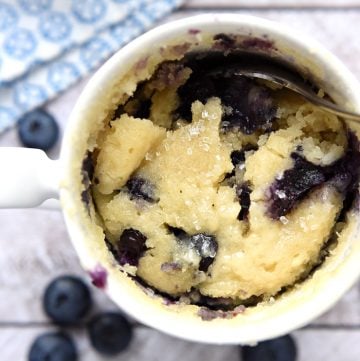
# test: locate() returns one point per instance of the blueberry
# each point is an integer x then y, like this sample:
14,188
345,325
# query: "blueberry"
86,198
140,188
205,263
294,185
278,349
67,300
250,105
88,168
344,173
237,157
178,232
196,88
87,171
298,181
53,347
110,333
206,246
131,247
243,192
38,129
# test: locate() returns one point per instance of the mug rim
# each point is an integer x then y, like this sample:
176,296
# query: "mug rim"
279,325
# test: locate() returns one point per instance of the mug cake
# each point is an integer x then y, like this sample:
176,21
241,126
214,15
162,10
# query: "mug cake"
212,189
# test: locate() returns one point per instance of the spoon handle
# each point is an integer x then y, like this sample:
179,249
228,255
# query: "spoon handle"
324,104
302,90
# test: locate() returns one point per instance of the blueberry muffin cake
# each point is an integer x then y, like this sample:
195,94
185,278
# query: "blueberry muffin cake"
215,189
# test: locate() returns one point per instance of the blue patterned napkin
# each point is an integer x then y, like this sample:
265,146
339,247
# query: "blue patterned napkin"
48,45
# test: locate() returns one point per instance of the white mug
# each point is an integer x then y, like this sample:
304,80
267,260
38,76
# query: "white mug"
29,177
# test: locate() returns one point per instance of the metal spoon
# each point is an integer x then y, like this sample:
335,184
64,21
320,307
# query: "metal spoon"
280,75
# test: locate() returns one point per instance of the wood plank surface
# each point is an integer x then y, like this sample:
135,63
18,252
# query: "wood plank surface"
150,345
36,247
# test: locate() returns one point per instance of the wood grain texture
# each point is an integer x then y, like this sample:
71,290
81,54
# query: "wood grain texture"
36,247
328,345
40,250
147,345
151,345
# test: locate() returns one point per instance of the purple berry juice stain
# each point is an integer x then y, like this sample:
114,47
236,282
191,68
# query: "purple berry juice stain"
99,276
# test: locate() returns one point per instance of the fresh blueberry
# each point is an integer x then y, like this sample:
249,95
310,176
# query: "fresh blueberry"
140,188
278,349
67,300
38,129
53,347
131,247
110,333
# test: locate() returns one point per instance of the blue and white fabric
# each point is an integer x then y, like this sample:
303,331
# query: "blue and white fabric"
48,45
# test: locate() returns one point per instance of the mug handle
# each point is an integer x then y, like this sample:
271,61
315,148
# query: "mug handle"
28,177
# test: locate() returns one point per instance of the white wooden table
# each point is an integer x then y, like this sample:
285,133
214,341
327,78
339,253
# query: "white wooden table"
35,246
